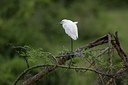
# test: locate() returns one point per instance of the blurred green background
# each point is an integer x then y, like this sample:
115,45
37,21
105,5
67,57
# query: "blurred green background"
35,23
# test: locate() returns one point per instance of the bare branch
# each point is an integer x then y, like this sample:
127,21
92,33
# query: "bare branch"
120,51
86,69
27,70
66,57
60,61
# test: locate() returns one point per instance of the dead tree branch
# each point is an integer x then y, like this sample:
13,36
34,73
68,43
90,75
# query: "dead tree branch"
119,50
112,40
64,58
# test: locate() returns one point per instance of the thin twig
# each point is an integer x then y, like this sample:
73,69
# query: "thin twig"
110,53
101,53
101,79
86,69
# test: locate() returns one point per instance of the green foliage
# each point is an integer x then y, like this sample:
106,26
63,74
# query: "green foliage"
10,69
38,56
114,3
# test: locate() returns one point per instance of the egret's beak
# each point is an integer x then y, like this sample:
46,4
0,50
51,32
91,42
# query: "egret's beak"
61,22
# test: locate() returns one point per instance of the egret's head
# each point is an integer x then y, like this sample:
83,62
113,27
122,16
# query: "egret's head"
63,21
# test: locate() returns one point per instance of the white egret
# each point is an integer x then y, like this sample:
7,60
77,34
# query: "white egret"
71,30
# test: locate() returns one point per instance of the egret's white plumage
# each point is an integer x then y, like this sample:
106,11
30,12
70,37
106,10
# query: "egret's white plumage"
70,28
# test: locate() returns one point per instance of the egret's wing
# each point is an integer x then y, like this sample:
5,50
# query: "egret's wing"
71,30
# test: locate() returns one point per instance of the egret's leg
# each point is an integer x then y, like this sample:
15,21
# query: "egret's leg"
71,52
71,45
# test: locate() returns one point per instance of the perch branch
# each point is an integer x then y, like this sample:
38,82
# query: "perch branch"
78,52
62,59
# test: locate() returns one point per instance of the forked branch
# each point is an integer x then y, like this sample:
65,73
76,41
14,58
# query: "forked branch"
109,38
